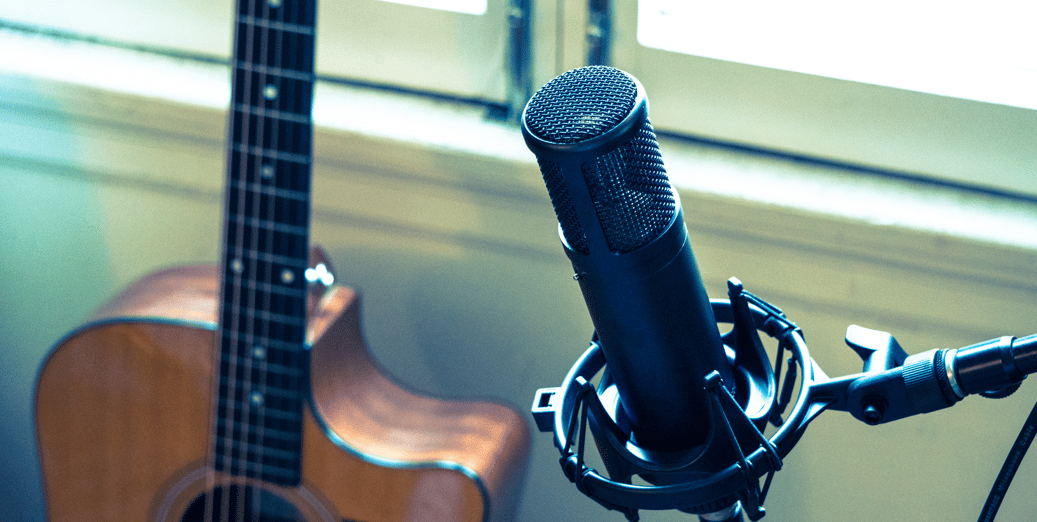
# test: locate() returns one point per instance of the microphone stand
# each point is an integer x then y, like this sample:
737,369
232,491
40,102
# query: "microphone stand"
719,480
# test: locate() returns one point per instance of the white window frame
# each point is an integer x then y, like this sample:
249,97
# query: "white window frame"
975,144
449,53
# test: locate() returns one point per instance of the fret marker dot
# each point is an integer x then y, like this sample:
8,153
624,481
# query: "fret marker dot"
256,398
270,92
274,3
237,266
267,171
259,352
287,276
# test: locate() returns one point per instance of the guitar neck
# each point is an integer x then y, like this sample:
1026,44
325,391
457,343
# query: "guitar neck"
261,358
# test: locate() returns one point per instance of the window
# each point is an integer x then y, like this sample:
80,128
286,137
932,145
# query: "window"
459,52
804,78
933,47
476,7
433,50
944,91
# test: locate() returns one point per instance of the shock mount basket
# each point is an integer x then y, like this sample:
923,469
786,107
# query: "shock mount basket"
727,467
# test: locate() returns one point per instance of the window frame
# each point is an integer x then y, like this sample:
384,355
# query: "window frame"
458,55
962,142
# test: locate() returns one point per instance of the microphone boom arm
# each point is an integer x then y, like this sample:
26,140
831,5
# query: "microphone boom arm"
894,385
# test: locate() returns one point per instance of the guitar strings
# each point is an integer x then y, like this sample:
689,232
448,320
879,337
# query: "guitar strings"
252,329
233,268
246,346
269,266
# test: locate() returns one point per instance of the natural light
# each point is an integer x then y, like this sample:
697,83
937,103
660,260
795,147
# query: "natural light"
972,50
476,7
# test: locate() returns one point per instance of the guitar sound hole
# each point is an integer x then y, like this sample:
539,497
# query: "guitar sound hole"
242,503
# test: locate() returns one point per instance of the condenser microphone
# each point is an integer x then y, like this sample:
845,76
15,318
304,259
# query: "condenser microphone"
671,406
622,227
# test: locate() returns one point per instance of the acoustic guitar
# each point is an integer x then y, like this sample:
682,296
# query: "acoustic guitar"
243,392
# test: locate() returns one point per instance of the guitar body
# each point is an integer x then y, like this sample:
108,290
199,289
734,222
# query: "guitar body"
123,413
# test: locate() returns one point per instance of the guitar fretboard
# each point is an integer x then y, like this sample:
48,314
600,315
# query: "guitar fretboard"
261,358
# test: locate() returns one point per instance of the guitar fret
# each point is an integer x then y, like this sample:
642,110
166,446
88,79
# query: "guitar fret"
254,465
270,153
257,399
287,291
248,387
242,406
281,135
238,428
247,169
302,12
281,290
265,272
273,434
272,317
280,362
274,24
259,255
255,452
272,113
269,190
284,473
275,71
282,325
274,369
241,236
254,323
269,209
246,49
269,225
272,345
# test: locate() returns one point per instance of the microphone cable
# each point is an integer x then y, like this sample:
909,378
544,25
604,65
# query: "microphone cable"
1008,469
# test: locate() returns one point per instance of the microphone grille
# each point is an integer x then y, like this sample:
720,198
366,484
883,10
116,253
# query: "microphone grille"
564,208
632,194
580,105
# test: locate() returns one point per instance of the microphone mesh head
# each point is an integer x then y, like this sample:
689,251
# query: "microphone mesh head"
628,184
581,104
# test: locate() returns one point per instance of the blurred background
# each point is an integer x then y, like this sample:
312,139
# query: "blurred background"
851,166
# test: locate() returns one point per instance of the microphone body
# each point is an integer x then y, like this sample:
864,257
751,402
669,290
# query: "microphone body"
622,227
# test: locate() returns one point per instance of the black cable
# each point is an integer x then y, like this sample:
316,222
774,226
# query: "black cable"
1008,469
